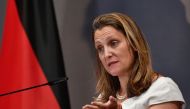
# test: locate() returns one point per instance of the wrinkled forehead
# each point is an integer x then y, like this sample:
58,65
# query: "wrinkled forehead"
103,32
108,33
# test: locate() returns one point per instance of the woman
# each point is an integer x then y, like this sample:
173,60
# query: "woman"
126,79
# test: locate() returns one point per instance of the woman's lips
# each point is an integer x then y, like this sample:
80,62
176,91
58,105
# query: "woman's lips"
112,63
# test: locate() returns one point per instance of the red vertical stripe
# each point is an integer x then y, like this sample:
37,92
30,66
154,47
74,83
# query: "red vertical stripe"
19,68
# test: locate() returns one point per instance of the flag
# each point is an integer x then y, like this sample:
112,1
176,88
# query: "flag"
31,55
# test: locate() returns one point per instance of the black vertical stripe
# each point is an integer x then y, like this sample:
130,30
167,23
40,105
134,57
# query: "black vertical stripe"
38,19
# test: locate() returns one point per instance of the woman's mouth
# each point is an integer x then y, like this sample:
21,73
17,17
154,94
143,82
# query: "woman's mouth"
112,63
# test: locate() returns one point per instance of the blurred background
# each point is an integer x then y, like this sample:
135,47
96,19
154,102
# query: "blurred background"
165,23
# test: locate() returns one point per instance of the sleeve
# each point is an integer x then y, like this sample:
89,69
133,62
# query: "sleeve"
165,91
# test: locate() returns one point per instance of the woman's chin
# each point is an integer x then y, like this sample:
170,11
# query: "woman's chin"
113,73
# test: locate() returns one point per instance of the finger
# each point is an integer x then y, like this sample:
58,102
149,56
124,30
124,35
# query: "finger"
89,107
84,107
119,106
112,99
99,104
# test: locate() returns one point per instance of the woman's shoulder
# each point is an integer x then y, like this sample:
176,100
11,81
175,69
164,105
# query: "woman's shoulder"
164,89
164,85
163,82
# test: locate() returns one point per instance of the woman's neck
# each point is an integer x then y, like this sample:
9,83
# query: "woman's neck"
123,84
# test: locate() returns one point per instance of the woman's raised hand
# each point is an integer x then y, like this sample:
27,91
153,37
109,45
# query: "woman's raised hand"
112,103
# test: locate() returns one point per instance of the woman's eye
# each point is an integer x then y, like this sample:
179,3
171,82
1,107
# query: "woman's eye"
100,49
114,43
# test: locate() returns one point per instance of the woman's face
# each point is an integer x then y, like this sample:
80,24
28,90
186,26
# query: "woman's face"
114,51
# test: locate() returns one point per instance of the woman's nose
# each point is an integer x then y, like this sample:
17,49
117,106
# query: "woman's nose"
107,52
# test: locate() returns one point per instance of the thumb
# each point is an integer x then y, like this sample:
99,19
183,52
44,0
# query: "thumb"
112,99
